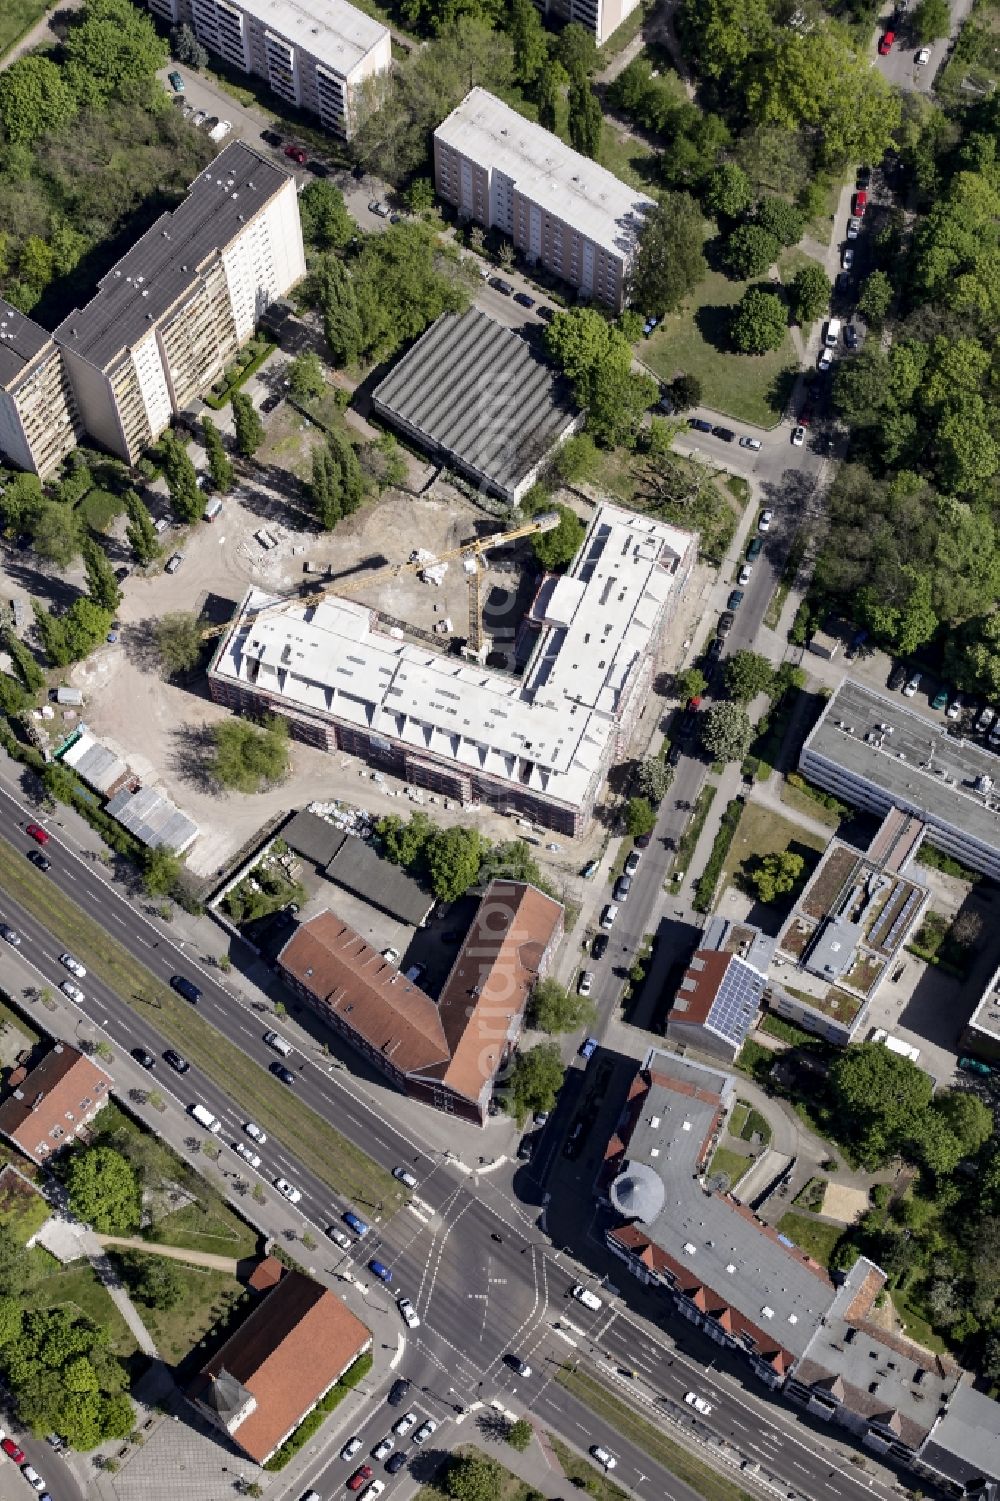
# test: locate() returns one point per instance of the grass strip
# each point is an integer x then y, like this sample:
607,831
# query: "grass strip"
585,1475
673,1456
332,1157
788,575
689,839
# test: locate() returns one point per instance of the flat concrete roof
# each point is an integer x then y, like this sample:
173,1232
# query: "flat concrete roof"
331,30
479,392
986,1017
21,340
577,190
158,269
915,760
964,1445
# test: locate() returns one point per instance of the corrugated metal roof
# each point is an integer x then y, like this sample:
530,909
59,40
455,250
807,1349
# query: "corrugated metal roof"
153,819
99,767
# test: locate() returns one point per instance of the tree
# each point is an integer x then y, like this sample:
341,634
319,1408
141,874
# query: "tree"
930,20
529,39
113,51
249,430
28,671
576,460
968,1119
691,683
775,874
749,251
581,340
325,488
180,642
747,674
640,816
784,220
653,777
332,290
102,586
576,49
326,224
181,477
74,635
404,841
727,732
519,1435
551,1008
586,119
809,293
511,861
187,49
55,532
723,35
219,463
686,391
248,759
158,1281
616,400
352,481
557,548
453,856
880,1101
473,1477
729,191
140,533
549,93
535,1080
161,870
876,298
669,262
305,376
35,99
103,1190
760,322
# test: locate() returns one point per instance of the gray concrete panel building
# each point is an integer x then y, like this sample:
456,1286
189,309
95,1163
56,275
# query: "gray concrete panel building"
39,421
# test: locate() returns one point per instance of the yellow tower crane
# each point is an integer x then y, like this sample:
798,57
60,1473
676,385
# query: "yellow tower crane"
477,644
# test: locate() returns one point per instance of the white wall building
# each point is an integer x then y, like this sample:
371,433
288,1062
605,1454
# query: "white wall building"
602,17
560,208
167,320
313,53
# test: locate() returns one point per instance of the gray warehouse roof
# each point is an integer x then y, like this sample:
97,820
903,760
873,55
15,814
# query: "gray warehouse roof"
361,871
159,268
480,395
964,1445
315,838
153,819
913,760
21,339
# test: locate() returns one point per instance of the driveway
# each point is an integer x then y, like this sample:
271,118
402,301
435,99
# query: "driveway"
899,66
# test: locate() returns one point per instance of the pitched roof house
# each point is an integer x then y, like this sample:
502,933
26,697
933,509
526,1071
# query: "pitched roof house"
53,1102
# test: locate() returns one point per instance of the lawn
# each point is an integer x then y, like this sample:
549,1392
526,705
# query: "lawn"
78,1284
761,831
209,1225
803,803
733,1164
917,1327
629,159
811,1236
653,1441
10,1016
207,1299
586,1476
511,1488
23,1210
16,17
337,1161
749,388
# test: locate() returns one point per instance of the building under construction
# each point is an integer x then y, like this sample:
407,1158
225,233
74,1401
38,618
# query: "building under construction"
539,745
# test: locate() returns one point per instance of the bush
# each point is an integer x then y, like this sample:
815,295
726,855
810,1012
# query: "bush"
704,891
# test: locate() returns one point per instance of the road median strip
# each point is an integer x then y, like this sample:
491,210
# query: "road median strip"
318,1146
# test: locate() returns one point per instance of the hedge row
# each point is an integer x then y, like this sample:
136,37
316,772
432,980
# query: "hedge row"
704,892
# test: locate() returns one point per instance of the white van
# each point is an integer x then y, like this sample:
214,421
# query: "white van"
278,1043
586,1297
831,334
896,1044
212,509
206,1118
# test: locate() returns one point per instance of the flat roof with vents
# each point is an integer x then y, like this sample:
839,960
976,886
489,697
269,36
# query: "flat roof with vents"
577,190
161,266
330,30
21,341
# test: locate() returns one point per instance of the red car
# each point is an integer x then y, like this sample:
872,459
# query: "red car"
42,836
359,1477
885,43
12,1451
297,154
860,204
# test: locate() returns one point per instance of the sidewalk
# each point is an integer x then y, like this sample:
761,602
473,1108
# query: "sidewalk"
94,1252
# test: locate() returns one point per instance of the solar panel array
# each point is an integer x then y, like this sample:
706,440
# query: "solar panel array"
736,1003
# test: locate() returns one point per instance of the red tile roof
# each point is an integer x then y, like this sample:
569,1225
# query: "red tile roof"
700,985
61,1093
290,1350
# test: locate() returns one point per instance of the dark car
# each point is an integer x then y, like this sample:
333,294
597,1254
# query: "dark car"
395,1462
864,177
318,169
642,841
398,1391
281,1072
37,858
270,402
674,753
623,886
897,677
725,433
599,947
754,548
735,599
699,424
524,299
357,171
526,1147
726,622
186,988
851,336
143,1056
176,1061
271,137
499,285
544,311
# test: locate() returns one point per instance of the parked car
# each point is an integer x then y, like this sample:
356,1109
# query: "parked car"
423,1433
404,1176
986,718
544,311
297,154
825,360
383,1447
642,841
755,547
764,523
974,1066
524,299
405,1423
954,709
398,1391
173,562
588,1047
923,57
735,599
395,1462
622,887
12,1451
503,287
753,443
608,915
847,257
859,203
853,227
885,43
745,573
360,1477
632,861
699,424
176,82
725,433
851,336
599,947
798,436
585,983
864,177
271,137
726,622
897,677
911,685
940,700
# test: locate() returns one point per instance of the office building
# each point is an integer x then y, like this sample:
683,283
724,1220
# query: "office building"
314,54
878,753
39,423
169,317
48,1105
480,400
600,17
539,745
561,209
982,1031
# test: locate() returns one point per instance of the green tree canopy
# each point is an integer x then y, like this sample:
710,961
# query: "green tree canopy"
140,532
161,870
404,841
520,1434
56,533
686,391
305,376
530,41
775,874
34,99
103,1190
102,585
727,732
759,323
332,290
551,1008
749,251
691,683
248,759
555,549
729,191
809,293
155,1279
968,1119
930,20
586,119
652,778
326,224
876,298
219,463
669,261
881,1100
403,280
182,478
784,220
640,816
179,641
473,1477
112,51
535,1080
453,857
248,428
747,674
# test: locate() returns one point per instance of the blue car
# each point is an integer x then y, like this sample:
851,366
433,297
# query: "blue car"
589,1048
381,1271
699,424
355,1222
